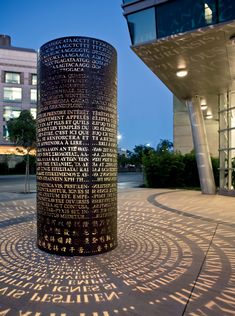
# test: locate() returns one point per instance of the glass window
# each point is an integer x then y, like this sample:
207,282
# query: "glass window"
12,77
12,94
33,112
208,14
142,26
180,16
34,79
5,132
226,10
128,1
33,95
227,142
10,113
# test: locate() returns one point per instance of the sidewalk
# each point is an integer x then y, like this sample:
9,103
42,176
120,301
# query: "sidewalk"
219,208
176,256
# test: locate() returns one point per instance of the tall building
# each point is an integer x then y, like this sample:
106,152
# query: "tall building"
190,46
18,82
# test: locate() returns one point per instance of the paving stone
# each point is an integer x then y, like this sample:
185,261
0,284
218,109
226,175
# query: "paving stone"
166,263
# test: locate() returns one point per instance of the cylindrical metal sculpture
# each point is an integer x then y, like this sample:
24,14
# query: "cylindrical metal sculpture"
77,147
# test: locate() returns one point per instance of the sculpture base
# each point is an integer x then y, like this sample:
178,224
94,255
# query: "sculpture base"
74,254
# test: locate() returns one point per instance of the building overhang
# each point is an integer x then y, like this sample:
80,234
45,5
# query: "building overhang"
208,55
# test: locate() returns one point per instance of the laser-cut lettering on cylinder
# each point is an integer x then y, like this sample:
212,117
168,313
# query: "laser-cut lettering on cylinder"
77,147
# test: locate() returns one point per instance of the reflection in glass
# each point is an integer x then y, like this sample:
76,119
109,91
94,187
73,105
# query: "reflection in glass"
227,141
12,94
12,77
33,95
10,113
142,26
33,112
128,1
34,79
226,10
208,14
180,16
5,132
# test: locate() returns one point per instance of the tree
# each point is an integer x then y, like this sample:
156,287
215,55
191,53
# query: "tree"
164,145
165,168
122,160
136,158
22,132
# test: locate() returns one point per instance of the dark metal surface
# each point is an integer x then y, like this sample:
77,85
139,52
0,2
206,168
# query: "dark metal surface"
77,133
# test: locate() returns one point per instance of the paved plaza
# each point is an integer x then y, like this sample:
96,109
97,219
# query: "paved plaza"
176,256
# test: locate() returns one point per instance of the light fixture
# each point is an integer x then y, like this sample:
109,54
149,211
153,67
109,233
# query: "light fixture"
232,39
209,116
208,14
203,104
119,137
181,73
203,107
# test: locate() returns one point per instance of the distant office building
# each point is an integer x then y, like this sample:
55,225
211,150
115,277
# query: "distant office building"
18,82
190,46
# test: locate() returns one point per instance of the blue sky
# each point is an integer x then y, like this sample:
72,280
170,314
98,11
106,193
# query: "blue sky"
144,103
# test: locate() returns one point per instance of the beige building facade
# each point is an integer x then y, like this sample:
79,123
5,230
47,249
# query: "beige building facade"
182,133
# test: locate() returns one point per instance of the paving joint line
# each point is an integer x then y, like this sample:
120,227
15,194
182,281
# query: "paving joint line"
152,200
200,270
18,220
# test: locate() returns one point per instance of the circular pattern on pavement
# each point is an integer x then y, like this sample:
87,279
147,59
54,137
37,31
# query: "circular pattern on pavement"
154,267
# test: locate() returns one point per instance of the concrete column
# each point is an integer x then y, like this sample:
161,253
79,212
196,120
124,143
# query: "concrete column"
205,171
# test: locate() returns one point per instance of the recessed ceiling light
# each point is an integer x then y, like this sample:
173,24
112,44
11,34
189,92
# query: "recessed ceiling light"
232,39
203,101
203,107
209,116
203,104
181,73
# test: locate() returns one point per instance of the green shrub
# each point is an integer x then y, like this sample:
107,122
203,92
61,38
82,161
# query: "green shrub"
215,167
191,177
167,169
4,168
163,169
20,166
32,164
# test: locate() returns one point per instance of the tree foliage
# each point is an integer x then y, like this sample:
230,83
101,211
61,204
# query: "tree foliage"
135,157
165,168
164,145
22,132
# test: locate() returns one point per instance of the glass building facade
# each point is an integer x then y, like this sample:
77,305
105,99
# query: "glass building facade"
128,1
142,26
177,16
227,140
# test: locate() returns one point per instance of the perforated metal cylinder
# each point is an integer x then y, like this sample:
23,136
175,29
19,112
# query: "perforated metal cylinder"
77,147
